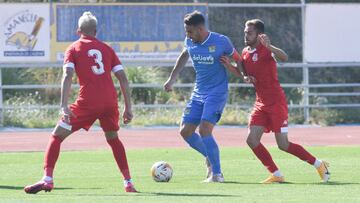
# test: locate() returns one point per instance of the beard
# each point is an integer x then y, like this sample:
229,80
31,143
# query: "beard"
250,43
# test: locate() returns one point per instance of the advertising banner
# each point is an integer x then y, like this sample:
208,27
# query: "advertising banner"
24,32
138,31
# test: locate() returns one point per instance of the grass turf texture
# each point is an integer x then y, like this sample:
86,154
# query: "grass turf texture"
92,176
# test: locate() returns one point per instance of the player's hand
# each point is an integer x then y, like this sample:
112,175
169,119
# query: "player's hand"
127,116
67,114
249,79
168,85
265,40
226,61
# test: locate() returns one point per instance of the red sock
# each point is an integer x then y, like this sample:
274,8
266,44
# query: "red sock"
120,156
301,153
263,154
51,155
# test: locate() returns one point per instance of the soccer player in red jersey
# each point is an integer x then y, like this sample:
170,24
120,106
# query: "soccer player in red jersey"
93,61
257,65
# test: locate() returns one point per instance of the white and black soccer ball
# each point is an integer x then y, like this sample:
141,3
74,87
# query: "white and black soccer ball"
161,171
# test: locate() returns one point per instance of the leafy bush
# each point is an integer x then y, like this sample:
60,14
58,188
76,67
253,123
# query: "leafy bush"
324,117
284,33
28,117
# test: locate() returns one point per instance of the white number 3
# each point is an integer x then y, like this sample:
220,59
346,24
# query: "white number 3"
98,59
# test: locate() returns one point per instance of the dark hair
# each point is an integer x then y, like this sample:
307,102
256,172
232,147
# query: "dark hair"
258,24
195,18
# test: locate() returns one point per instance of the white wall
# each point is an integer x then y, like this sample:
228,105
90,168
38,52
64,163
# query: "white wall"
332,33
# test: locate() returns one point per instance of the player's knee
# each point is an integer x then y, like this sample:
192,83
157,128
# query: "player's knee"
61,136
111,135
204,130
283,147
61,132
252,141
185,132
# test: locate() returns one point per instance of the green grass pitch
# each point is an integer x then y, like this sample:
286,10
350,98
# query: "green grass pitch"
92,176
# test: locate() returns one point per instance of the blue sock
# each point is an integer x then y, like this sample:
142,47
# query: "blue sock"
213,153
196,142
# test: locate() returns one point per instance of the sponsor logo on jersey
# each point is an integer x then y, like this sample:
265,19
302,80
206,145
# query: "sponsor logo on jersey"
212,48
203,59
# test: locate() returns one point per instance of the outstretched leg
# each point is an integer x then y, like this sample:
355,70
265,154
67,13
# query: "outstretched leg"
253,140
51,155
299,151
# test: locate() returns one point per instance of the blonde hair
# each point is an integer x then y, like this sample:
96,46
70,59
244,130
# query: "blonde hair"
87,23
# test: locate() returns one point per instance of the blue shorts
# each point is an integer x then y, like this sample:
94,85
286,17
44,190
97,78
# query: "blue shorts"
208,109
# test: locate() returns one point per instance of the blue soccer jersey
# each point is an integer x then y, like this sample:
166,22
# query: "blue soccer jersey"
211,76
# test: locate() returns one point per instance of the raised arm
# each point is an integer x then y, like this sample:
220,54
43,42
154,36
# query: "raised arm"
179,65
279,53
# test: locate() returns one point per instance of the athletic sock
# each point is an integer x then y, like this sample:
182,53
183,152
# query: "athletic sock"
120,156
196,143
277,173
264,156
127,182
51,155
301,153
47,179
317,163
213,153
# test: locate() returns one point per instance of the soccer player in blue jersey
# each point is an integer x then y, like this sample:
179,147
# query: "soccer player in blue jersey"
210,93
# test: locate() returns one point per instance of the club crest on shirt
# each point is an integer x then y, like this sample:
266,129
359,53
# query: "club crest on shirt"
212,48
255,57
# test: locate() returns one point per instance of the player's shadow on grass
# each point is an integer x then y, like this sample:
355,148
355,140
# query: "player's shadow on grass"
242,183
285,183
10,187
188,194
329,183
292,183
147,194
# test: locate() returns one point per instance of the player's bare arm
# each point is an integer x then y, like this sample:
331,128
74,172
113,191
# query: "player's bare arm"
279,53
124,85
247,78
179,65
237,70
226,61
65,92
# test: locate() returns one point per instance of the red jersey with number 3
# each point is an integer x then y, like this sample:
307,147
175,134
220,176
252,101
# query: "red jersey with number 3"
93,61
260,64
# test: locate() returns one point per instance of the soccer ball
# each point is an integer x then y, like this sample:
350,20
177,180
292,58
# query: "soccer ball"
161,171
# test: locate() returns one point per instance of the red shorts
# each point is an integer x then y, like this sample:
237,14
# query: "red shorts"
273,118
86,116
